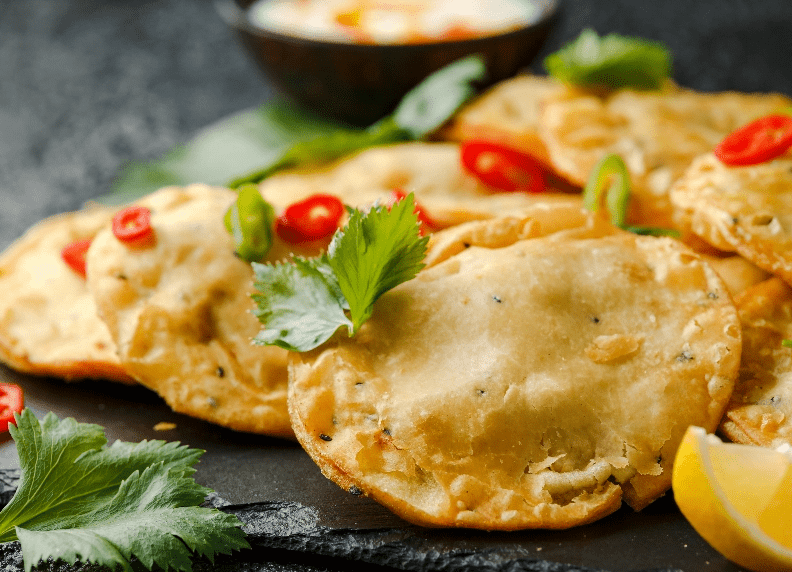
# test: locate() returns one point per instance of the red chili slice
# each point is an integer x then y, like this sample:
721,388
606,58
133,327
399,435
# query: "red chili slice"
758,142
311,219
11,401
503,168
74,253
428,224
132,226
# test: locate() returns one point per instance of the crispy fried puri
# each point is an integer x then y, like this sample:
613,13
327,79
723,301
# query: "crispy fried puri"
657,134
433,171
747,210
760,410
48,320
528,386
179,312
737,273
509,113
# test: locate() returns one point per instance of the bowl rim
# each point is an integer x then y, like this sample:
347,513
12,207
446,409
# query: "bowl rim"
236,17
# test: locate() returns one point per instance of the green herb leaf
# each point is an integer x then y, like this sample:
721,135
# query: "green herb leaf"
326,148
233,145
611,61
423,109
303,303
79,499
786,343
432,102
250,221
300,303
376,252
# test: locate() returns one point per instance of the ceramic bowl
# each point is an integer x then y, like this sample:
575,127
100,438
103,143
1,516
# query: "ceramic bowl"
360,83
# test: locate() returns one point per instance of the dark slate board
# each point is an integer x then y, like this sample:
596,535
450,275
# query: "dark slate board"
290,508
90,85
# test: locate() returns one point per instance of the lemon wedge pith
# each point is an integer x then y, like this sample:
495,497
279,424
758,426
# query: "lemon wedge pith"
738,498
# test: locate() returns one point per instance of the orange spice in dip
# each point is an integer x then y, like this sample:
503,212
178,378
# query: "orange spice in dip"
392,21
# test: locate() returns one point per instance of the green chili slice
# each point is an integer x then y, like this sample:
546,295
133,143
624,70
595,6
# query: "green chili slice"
609,176
250,221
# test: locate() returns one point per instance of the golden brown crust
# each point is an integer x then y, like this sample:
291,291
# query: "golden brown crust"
527,386
433,171
747,210
180,313
760,410
48,321
509,113
657,134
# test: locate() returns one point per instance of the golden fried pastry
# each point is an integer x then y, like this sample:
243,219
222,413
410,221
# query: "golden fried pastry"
760,410
508,113
540,219
737,273
433,171
529,386
747,210
48,320
180,314
658,134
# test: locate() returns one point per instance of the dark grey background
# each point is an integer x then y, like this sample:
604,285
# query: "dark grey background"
87,86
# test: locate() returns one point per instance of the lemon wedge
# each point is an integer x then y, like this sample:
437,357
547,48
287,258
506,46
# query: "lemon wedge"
738,498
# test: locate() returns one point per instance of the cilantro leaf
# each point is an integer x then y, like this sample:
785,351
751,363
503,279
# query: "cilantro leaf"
81,499
422,110
376,252
427,106
611,61
235,144
325,148
302,303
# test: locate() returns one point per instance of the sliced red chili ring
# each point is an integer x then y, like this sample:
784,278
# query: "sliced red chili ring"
11,401
313,218
503,168
757,142
132,225
74,253
428,224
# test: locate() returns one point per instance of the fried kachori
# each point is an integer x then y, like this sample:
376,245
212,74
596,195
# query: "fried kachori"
760,410
509,113
179,311
657,133
746,209
432,171
533,385
48,320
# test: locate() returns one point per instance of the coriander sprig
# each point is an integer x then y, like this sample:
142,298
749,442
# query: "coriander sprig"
80,499
303,302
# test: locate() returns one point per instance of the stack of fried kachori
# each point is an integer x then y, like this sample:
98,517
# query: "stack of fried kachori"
748,210
542,367
657,133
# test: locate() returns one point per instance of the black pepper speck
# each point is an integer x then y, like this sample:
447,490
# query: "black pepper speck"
324,437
